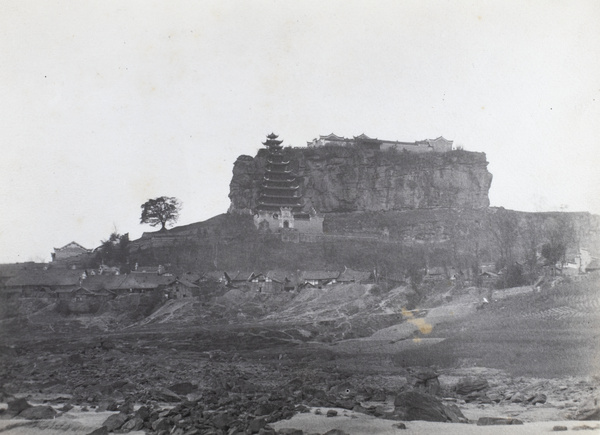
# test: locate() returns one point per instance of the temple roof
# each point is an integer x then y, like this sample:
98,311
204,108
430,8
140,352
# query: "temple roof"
272,141
332,136
439,140
72,245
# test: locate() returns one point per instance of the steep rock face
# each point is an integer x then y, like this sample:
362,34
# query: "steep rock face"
346,179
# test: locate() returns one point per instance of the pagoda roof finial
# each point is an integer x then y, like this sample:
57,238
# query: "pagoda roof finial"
272,141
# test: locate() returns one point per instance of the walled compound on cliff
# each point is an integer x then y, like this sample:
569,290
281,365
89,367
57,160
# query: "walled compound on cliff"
440,145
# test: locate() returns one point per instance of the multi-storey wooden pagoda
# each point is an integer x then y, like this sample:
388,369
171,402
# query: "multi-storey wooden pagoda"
280,189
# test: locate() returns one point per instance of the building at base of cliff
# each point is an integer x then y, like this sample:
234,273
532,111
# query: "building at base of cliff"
285,219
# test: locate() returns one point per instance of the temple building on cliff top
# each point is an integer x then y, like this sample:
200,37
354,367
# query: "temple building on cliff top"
280,205
440,144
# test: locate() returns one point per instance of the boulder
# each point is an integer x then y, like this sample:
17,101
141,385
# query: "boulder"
183,388
161,424
257,424
290,431
518,397
102,430
115,421
18,405
222,420
135,423
426,379
266,409
38,413
107,345
143,412
496,421
164,395
538,399
471,384
588,410
75,359
415,405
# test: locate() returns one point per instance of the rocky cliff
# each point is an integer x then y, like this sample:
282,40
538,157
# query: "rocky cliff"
347,179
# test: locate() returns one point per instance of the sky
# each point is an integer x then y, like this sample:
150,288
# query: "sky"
105,104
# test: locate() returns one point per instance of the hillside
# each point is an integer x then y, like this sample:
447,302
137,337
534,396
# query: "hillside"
433,237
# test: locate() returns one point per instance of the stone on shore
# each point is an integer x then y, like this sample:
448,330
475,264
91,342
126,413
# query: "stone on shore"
38,413
414,405
497,421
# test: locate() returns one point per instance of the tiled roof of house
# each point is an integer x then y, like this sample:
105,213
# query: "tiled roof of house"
97,292
126,282
191,277
593,265
332,136
187,283
319,274
214,274
280,275
72,245
349,275
13,269
240,275
50,277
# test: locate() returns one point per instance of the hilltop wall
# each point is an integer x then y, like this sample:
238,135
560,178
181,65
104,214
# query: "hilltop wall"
350,179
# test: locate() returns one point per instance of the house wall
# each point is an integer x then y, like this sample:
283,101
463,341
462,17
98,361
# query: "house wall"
179,291
266,286
312,225
267,220
84,304
440,144
401,146
67,252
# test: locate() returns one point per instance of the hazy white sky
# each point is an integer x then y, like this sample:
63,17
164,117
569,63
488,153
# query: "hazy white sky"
105,104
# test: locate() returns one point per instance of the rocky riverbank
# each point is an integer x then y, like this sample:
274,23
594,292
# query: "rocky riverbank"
230,393
524,358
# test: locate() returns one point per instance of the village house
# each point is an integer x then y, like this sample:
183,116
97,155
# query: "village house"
593,265
156,270
239,279
489,279
83,300
349,275
436,273
44,283
183,288
69,251
130,283
318,278
215,275
282,280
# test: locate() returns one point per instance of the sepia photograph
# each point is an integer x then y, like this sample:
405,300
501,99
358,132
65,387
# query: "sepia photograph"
335,217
